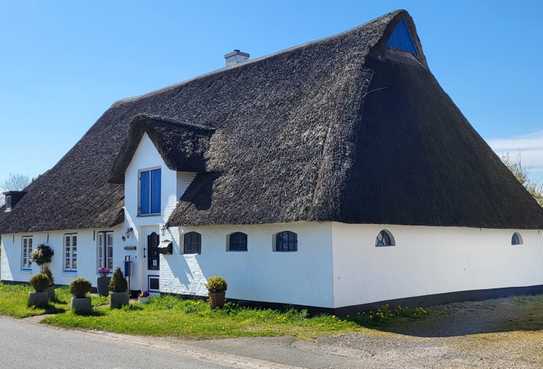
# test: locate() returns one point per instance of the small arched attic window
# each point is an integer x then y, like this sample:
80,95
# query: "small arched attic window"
384,238
516,239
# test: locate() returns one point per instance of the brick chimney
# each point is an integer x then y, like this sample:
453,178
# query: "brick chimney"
235,57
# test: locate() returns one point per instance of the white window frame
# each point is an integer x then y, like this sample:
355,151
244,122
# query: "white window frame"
104,243
26,252
69,246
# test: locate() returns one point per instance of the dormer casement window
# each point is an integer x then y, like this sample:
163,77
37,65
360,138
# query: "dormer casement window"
149,202
12,198
400,38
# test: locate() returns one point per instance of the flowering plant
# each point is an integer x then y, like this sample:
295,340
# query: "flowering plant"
103,271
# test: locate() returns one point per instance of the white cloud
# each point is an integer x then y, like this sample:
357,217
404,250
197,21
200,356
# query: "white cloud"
527,149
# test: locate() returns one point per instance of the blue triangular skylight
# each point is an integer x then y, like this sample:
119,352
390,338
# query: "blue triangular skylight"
400,38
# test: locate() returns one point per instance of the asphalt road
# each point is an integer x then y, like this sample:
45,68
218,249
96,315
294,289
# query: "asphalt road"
29,345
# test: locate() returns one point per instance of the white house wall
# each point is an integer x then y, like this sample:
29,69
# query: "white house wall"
259,274
430,260
173,185
11,244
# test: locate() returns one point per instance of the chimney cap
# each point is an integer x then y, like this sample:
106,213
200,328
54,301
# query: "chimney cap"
235,57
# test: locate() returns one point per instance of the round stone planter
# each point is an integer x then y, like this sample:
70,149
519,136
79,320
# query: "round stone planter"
102,285
217,299
119,299
51,293
38,299
81,305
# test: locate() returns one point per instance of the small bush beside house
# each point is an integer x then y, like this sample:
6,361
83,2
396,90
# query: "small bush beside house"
40,298
216,287
81,303
119,290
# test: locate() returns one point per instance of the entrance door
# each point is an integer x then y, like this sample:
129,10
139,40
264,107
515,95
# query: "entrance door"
153,256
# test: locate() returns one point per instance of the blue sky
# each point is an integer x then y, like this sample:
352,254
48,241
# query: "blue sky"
63,63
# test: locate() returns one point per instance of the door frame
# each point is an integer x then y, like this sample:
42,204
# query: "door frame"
146,231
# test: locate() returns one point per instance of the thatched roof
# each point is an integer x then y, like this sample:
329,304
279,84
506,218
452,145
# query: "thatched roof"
339,129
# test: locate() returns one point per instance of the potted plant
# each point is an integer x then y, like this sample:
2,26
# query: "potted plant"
102,283
51,288
216,287
143,297
119,290
42,255
39,298
81,303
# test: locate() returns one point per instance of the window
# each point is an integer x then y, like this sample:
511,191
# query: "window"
149,192
192,243
286,241
104,250
384,238
400,38
26,250
70,253
237,241
516,239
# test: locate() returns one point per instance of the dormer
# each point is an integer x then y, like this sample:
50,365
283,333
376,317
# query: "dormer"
12,198
158,161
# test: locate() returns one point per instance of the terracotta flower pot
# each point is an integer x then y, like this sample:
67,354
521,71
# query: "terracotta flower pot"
217,299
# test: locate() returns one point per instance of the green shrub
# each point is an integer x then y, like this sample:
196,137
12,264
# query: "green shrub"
49,275
80,287
118,282
216,284
42,254
40,282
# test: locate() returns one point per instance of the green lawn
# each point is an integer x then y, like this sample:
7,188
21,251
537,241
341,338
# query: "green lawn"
171,316
13,300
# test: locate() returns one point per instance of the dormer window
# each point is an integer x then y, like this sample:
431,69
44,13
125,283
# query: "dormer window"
400,38
12,198
149,202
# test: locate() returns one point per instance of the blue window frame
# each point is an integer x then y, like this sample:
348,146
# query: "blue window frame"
400,39
150,188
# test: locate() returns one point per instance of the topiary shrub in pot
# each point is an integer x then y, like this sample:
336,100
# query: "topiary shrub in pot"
39,298
81,303
42,255
102,283
51,288
119,290
216,288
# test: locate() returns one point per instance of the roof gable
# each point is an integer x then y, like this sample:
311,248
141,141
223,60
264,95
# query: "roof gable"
181,146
